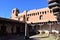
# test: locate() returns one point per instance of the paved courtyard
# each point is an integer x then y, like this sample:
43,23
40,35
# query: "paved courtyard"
35,37
13,37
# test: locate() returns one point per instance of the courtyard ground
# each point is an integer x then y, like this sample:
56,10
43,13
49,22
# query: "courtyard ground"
34,37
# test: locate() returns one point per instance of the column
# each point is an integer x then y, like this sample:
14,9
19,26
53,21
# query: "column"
8,29
40,28
32,27
14,29
50,26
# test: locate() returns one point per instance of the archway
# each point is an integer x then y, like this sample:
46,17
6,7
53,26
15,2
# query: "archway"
3,30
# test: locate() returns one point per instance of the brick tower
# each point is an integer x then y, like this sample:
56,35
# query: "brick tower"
15,13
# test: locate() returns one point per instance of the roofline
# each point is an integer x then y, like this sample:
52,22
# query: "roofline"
6,19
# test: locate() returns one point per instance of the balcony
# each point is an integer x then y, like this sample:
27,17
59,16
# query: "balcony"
53,4
56,10
56,7
56,13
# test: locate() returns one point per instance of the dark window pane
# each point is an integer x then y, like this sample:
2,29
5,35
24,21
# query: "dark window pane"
42,12
27,18
45,12
34,14
38,13
50,11
30,14
17,11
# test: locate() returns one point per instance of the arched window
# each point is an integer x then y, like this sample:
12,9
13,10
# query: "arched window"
45,12
50,11
41,17
27,18
38,13
30,14
42,12
34,14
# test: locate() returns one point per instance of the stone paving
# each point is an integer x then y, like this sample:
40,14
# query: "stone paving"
18,37
13,37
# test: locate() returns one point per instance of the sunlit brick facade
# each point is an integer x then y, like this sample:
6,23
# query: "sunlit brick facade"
35,15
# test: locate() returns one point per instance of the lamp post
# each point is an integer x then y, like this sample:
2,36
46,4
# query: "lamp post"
26,37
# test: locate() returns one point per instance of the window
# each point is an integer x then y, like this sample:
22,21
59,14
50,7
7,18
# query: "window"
27,18
50,11
38,13
45,12
41,17
34,14
30,14
17,11
42,12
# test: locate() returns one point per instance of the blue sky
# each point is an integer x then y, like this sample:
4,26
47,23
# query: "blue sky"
6,6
